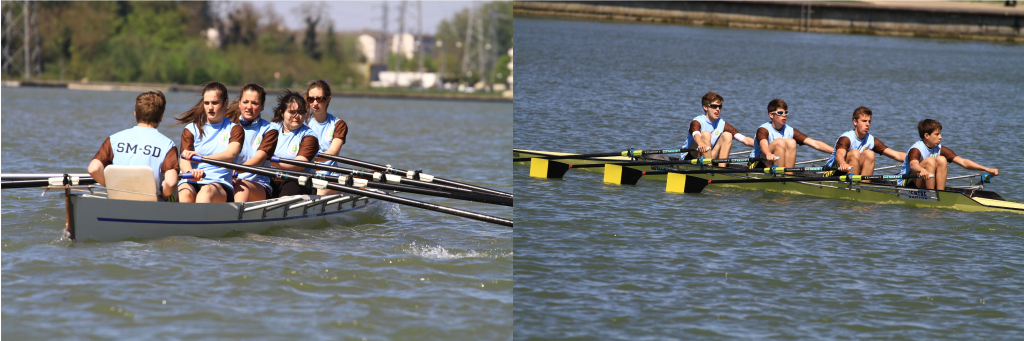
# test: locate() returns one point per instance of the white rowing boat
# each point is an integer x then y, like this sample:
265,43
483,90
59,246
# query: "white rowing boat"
93,216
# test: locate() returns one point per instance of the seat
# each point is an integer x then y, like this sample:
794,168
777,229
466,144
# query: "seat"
134,183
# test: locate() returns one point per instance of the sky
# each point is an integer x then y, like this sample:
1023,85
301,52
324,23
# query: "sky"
358,15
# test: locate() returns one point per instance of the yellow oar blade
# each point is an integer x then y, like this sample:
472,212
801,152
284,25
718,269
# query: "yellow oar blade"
682,183
544,168
619,175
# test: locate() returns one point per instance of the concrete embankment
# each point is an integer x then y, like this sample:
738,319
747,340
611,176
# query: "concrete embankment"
991,21
141,87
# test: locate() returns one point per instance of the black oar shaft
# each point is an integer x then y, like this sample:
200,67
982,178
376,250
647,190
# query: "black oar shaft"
37,183
363,192
461,195
844,178
382,168
401,180
630,153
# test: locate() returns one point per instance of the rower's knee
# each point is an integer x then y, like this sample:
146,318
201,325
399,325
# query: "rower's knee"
928,163
941,161
868,156
790,144
852,155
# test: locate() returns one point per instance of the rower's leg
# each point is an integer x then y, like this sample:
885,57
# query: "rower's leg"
186,193
325,191
929,165
241,191
853,159
723,147
941,169
211,193
867,163
790,153
777,147
706,137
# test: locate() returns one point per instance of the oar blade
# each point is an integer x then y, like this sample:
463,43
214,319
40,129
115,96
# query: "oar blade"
682,183
544,168
620,175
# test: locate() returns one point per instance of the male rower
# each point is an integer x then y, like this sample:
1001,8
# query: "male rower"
776,139
929,157
707,130
142,145
855,150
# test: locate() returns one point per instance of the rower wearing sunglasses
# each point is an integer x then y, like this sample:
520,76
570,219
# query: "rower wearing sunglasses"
776,139
708,129
855,150
330,131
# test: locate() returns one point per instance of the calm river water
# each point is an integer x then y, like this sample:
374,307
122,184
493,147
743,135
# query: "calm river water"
597,261
409,274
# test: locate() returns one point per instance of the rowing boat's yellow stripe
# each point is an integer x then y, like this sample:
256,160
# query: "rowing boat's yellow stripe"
1000,203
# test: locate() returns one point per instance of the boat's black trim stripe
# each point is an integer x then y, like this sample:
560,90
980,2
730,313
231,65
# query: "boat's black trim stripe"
191,222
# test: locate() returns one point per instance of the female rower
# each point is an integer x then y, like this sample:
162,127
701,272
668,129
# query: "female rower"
329,130
296,141
259,144
208,134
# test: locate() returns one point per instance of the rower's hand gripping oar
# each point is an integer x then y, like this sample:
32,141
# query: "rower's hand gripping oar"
358,191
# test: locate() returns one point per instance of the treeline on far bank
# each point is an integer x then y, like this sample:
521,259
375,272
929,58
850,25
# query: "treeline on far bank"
167,42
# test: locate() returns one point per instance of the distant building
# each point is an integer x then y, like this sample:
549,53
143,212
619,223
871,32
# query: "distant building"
368,45
212,37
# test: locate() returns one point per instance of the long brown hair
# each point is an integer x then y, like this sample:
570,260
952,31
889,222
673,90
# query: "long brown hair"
196,114
234,113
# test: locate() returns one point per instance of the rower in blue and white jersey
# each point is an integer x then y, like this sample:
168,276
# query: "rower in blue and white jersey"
209,134
142,145
855,150
259,144
707,130
330,131
775,139
928,157
295,141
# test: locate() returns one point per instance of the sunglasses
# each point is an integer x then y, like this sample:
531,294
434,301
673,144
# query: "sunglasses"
311,99
715,106
780,113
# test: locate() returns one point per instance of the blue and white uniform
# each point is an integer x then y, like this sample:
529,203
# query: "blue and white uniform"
288,144
215,139
716,128
141,146
868,142
786,132
254,134
325,134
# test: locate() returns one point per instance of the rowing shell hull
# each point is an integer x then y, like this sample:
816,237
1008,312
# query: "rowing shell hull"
962,201
101,219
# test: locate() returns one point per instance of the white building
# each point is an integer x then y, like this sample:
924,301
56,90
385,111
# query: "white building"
368,45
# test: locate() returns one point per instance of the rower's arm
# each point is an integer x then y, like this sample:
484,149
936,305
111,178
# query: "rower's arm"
229,154
335,148
966,164
170,182
257,158
747,141
892,154
821,146
96,171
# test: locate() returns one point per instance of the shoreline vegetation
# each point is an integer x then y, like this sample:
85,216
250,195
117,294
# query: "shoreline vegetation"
166,45
340,91
967,20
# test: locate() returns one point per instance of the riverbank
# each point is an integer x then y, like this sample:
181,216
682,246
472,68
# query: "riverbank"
989,21
361,92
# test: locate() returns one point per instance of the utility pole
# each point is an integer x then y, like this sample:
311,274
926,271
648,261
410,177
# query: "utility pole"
419,42
28,35
382,45
401,38
469,40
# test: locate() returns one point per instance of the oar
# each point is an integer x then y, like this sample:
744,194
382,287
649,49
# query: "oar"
19,176
840,178
629,153
387,177
674,162
357,191
381,183
769,170
415,175
59,180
